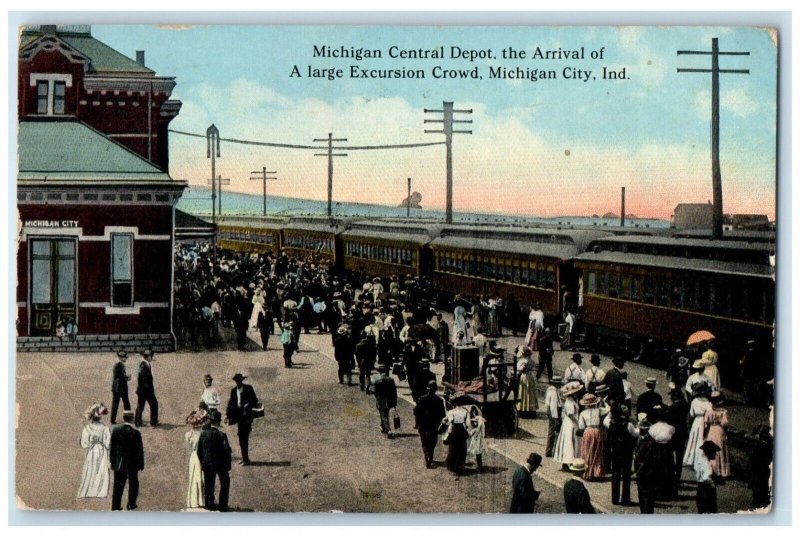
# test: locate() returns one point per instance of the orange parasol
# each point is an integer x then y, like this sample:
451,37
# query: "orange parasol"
701,336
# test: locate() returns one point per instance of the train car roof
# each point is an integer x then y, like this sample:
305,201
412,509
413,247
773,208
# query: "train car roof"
540,242
677,263
254,222
579,238
316,223
537,249
413,232
686,241
729,235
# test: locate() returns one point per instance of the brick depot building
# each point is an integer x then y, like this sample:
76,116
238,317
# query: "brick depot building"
96,206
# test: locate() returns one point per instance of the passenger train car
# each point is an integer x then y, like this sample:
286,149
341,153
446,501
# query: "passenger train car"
639,291
248,234
387,248
655,291
529,264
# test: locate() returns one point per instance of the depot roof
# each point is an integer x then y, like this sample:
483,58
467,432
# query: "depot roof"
72,151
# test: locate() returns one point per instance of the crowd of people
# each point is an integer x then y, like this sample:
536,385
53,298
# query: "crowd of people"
118,451
387,328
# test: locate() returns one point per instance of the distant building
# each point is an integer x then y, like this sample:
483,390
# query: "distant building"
693,216
96,205
751,222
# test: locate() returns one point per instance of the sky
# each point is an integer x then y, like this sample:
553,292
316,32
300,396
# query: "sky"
552,147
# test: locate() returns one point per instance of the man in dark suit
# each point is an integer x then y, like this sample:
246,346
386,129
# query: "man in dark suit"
429,413
119,386
613,379
385,398
648,400
524,496
366,354
145,390
240,412
214,453
127,460
576,498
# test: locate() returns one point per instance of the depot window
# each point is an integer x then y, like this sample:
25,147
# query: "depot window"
121,269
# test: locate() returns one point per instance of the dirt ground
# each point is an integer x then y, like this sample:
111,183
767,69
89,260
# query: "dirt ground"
318,449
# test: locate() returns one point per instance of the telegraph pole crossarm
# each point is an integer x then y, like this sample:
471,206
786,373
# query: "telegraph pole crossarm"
330,154
715,71
262,175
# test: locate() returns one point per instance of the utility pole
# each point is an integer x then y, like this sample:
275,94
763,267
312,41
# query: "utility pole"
715,53
212,152
263,177
447,122
408,200
221,181
622,210
330,154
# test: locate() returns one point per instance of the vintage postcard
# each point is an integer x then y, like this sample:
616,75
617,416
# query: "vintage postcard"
396,269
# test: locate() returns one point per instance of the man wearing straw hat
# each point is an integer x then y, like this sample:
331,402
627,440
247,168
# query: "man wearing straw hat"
524,495
649,399
553,404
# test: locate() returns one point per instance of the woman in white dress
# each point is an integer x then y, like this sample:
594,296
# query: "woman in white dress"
210,393
528,402
96,440
258,300
476,429
195,496
697,411
568,447
460,329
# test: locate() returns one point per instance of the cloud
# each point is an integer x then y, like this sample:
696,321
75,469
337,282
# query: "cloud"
506,165
736,101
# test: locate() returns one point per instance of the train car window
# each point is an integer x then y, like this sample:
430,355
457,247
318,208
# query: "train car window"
649,290
703,297
636,289
524,272
551,279
515,274
591,282
677,294
663,292
613,285
718,298
602,283
625,287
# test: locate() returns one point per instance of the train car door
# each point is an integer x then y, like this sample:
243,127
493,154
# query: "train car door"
53,275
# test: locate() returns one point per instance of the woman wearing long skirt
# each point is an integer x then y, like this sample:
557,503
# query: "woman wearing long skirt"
460,330
476,428
96,440
697,411
528,402
457,439
716,419
567,446
195,496
592,444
